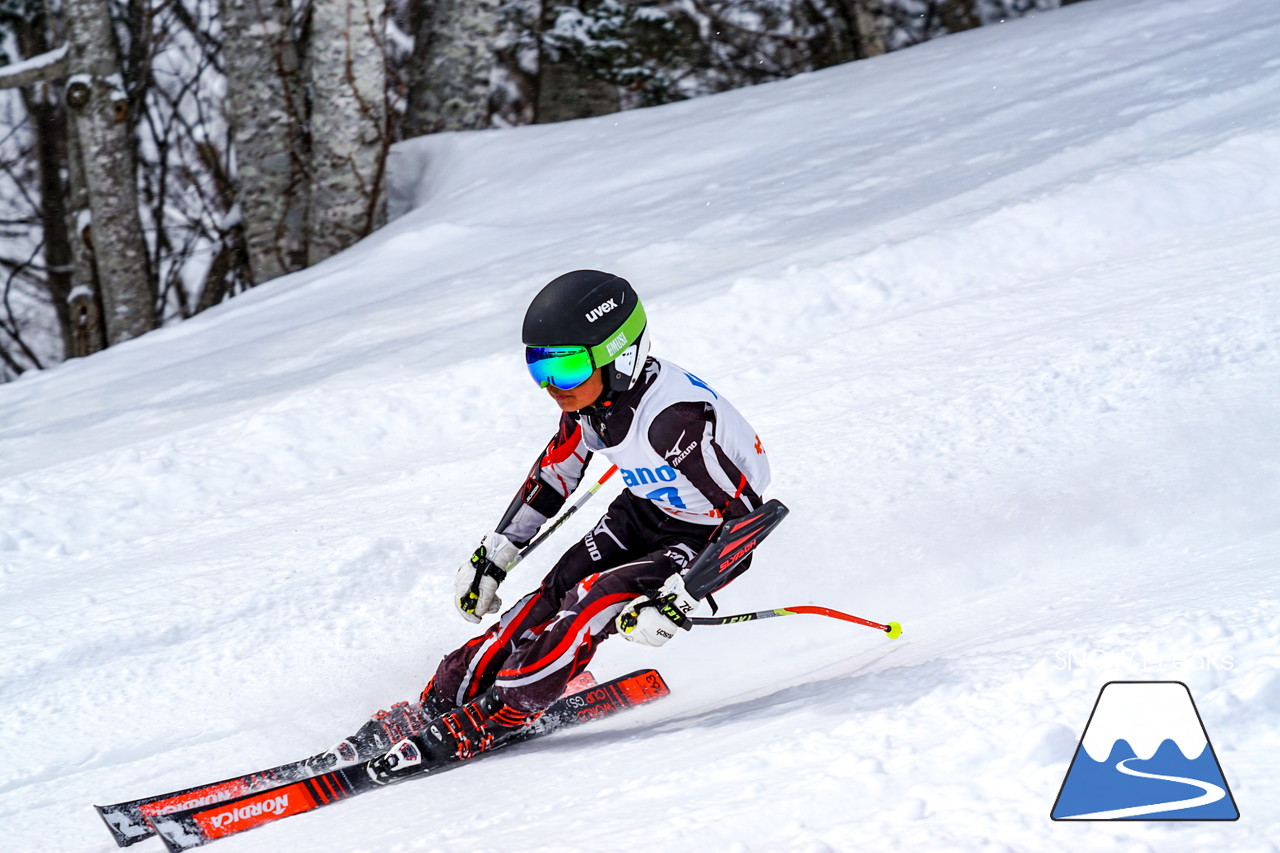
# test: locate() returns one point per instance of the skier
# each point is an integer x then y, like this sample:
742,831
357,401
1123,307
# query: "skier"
689,461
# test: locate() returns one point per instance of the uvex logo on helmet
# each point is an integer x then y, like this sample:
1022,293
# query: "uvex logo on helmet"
598,312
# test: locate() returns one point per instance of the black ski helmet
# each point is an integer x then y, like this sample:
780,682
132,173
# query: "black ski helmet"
596,310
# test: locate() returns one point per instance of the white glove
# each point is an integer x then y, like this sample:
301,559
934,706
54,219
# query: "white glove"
653,621
475,585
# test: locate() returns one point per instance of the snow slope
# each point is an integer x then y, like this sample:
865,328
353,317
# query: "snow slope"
1005,308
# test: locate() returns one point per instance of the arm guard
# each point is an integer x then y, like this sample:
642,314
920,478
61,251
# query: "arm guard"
552,479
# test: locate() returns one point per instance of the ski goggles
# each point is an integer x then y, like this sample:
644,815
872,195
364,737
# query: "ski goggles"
567,366
563,367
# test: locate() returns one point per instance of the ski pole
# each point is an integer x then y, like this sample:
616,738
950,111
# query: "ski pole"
893,629
555,525
474,591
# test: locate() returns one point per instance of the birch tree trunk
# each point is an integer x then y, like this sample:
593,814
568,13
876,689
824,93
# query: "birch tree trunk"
452,61
85,300
95,94
67,281
350,137
269,132
863,21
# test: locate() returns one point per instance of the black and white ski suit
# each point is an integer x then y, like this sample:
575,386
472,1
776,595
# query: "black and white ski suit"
689,461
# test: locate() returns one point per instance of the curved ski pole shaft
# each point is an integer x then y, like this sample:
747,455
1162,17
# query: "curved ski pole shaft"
555,525
893,629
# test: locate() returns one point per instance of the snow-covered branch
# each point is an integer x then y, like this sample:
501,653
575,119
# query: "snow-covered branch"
47,66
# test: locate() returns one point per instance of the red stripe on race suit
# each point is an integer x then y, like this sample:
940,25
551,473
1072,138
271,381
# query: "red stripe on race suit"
582,618
499,643
559,451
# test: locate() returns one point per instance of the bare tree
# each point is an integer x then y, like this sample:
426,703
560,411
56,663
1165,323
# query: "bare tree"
80,324
96,96
451,66
88,326
270,131
346,69
60,199
859,27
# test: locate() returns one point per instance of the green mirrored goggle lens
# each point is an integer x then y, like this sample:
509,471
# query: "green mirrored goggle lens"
563,367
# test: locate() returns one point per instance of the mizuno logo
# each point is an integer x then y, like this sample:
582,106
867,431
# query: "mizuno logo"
676,455
596,313
275,806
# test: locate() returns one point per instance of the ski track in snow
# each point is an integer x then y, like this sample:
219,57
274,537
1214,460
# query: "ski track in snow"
1004,308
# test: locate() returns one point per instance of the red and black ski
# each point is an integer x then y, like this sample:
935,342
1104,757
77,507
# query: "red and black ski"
204,822
130,821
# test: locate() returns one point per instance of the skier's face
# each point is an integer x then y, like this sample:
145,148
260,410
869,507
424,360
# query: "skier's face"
580,396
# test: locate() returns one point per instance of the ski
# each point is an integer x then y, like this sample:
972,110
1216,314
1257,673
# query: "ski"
202,822
130,821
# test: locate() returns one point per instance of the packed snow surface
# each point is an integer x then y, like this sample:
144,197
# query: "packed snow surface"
1005,310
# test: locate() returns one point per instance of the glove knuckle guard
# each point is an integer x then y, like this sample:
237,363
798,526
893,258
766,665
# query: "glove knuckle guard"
477,579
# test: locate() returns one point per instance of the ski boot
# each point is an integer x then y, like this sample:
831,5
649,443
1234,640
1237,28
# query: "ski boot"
386,728
458,735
